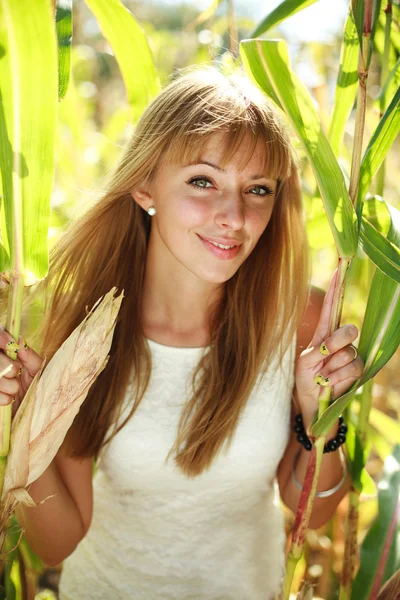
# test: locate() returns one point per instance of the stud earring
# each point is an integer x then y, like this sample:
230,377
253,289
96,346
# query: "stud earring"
151,211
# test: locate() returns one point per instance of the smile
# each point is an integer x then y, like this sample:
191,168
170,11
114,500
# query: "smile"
220,251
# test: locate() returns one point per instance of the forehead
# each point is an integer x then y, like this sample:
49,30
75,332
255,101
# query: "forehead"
241,149
248,156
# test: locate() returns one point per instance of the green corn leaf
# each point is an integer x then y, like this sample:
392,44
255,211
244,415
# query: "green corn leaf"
391,85
347,82
368,487
382,535
363,28
267,60
285,9
253,62
380,333
131,49
384,254
357,7
377,212
28,113
356,454
379,340
64,38
379,39
11,548
379,144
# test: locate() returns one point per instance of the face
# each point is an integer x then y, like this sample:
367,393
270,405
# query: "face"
200,203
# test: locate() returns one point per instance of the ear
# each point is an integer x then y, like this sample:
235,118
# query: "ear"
143,197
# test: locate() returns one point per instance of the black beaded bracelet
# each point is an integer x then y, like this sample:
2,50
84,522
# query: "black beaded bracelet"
330,446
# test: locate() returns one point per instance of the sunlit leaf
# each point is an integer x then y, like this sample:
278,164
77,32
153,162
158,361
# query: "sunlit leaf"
384,254
285,9
366,22
380,333
357,6
379,340
64,37
382,536
268,63
346,85
391,85
131,50
379,144
28,111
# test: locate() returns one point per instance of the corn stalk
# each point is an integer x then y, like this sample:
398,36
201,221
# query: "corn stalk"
28,80
267,63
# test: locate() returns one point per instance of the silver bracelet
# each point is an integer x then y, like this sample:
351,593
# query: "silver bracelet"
325,493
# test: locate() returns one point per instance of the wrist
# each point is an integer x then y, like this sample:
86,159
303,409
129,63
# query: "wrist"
331,443
308,418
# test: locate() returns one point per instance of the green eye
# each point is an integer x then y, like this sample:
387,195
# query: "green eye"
195,180
264,188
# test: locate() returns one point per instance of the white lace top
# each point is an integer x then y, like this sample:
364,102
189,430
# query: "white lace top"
158,535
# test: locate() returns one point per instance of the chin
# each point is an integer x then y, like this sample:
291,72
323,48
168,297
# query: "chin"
217,276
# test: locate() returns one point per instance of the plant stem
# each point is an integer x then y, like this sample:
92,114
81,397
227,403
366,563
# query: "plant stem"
360,120
304,512
13,323
351,548
380,177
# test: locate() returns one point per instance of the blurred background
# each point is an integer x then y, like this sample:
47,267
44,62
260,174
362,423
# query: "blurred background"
95,122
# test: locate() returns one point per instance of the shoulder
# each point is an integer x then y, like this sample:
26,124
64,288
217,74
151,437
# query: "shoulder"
310,318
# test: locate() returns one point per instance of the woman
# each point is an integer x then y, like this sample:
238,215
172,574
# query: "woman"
201,225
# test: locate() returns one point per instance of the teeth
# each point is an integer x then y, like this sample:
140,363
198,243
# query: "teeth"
221,246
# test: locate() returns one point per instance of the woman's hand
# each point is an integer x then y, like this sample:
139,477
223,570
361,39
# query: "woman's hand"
16,381
331,357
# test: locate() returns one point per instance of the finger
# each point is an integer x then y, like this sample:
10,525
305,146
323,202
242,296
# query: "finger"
7,342
5,399
311,357
9,386
339,359
351,371
9,368
322,329
340,338
342,387
29,358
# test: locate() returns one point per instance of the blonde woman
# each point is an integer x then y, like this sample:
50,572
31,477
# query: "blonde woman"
218,355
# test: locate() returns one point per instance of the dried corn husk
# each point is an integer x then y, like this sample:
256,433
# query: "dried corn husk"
53,400
306,592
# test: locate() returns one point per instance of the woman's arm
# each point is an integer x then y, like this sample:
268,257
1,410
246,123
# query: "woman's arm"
54,529
311,334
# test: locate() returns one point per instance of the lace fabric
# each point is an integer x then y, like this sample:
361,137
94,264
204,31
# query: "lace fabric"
156,534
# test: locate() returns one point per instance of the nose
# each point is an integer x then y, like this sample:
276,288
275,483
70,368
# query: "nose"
230,211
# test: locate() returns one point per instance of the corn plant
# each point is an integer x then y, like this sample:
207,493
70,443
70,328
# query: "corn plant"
355,221
35,44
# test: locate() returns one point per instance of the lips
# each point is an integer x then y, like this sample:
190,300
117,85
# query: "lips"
223,241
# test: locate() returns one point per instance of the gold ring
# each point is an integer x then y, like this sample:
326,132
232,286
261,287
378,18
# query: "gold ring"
354,350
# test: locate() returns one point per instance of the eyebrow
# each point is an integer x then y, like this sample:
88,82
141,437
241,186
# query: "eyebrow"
217,168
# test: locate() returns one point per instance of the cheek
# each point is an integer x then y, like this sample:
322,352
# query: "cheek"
193,212
257,218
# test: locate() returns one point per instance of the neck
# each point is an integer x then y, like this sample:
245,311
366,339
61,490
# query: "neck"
176,303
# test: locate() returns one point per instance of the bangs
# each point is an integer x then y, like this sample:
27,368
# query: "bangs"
277,157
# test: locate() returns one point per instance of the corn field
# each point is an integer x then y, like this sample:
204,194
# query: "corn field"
75,78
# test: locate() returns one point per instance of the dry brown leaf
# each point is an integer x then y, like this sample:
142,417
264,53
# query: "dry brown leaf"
53,400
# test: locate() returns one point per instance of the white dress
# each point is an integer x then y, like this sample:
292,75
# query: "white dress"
157,535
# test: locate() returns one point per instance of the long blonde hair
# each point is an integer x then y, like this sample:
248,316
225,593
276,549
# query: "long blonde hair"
261,304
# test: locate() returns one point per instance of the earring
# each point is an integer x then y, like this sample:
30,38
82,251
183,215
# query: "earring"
151,211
